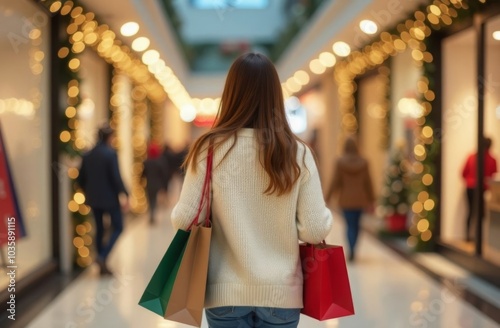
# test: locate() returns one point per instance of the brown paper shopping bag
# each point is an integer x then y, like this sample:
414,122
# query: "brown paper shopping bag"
188,293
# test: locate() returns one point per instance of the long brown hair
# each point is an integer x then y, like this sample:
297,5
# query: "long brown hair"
253,98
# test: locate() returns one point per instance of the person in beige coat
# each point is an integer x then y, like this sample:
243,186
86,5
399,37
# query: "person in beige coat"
352,185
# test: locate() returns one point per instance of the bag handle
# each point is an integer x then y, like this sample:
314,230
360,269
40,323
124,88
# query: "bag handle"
323,242
205,195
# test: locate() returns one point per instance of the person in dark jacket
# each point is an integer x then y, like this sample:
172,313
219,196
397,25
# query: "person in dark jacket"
156,176
102,184
353,186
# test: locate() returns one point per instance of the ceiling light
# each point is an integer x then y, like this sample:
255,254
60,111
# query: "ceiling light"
188,113
496,35
150,56
316,67
327,59
129,29
140,44
301,77
292,85
368,26
341,49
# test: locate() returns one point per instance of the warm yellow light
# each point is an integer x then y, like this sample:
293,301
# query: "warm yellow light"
419,34
84,209
74,64
83,251
73,173
65,136
427,179
90,38
417,55
73,206
301,77
427,132
292,85
35,34
55,6
433,18
78,47
423,225
423,196
79,198
77,36
417,207
399,44
327,59
150,56
78,242
68,5
316,67
426,235
63,52
73,91
129,29
368,26
341,49
140,44
429,205
70,112
87,240
435,10
419,150
496,35
81,230
77,11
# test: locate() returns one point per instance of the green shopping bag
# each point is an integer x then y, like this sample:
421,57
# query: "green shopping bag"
157,294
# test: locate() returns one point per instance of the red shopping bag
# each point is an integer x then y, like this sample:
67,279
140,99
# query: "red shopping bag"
327,293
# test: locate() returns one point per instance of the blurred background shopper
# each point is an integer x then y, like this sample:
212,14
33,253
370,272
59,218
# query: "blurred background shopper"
102,184
266,196
155,173
352,185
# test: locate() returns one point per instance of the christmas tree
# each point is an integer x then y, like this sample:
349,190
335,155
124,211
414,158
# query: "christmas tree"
394,201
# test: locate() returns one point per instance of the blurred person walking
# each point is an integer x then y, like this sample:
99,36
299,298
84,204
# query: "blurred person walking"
470,178
266,195
102,184
155,173
352,185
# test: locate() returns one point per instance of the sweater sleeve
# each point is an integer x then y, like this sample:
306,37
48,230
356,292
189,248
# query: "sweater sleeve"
186,208
314,219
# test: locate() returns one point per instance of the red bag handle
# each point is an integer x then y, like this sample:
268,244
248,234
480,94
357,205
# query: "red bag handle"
323,242
205,195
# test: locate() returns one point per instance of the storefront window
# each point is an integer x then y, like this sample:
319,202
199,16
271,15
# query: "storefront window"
491,80
372,91
24,118
459,136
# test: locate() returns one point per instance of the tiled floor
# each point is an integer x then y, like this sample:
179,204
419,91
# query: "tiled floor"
388,291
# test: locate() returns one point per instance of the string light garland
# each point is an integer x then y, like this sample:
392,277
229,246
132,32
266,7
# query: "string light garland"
83,30
412,34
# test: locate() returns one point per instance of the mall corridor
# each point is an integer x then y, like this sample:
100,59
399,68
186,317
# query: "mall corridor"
388,291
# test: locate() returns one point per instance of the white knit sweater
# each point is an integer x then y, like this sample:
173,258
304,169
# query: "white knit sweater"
254,253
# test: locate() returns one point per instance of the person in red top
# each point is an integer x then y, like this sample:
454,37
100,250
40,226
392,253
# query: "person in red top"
469,175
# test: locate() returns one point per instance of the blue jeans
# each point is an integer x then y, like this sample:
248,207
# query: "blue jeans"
103,250
352,218
248,316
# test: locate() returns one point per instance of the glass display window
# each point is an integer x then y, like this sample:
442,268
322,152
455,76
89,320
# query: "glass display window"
459,127
24,117
491,81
